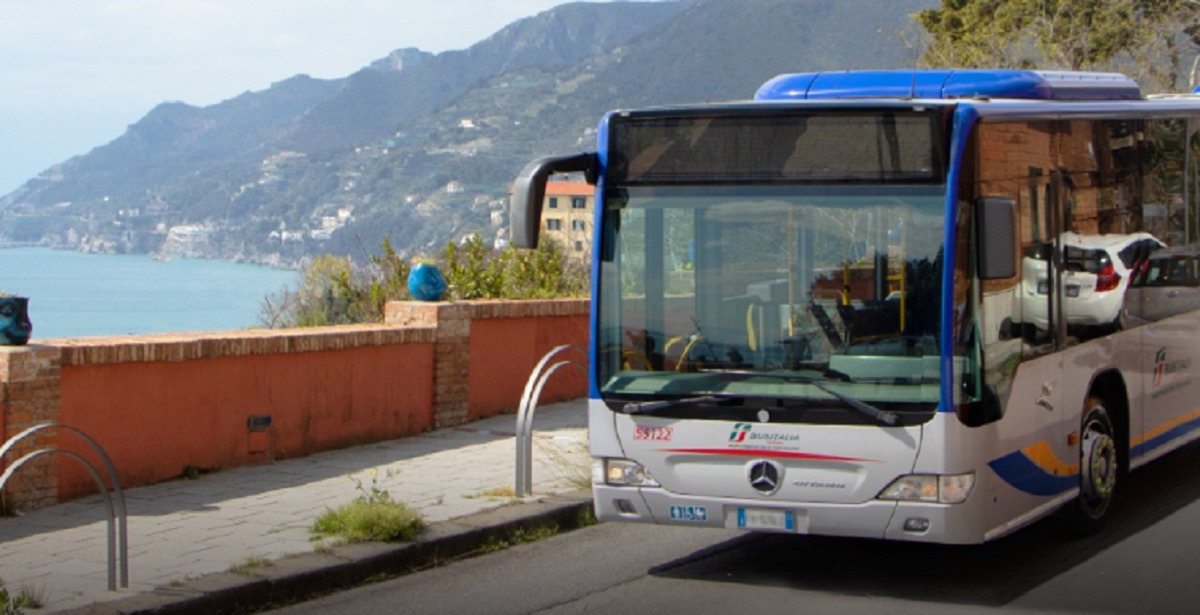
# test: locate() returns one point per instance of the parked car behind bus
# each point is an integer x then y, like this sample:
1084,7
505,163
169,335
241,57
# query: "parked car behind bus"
1096,274
1167,284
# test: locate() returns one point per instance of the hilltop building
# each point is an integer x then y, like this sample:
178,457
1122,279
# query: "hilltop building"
567,215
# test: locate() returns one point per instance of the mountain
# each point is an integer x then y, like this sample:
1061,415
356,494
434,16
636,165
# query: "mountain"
419,147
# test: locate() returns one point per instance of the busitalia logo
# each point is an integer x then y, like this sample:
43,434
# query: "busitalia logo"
739,433
1164,368
744,435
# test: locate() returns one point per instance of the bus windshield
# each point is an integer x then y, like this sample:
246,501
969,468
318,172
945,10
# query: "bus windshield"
819,296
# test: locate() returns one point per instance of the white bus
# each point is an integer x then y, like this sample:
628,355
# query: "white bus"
887,304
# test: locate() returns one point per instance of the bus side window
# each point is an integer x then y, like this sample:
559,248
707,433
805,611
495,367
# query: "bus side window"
1106,239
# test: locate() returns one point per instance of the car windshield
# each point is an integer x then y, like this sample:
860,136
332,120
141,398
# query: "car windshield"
1169,270
808,296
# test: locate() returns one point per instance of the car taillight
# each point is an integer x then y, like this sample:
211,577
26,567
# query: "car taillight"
1107,279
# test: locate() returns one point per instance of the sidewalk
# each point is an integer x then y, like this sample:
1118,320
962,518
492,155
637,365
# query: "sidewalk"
234,534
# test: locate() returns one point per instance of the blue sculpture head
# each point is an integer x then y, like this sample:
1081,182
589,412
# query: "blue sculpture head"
15,327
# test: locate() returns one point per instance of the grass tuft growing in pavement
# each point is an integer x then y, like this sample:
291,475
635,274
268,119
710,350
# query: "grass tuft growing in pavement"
569,460
496,493
15,603
250,566
361,521
518,536
372,516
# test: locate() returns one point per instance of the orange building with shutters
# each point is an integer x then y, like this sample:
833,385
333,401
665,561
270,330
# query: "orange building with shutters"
567,216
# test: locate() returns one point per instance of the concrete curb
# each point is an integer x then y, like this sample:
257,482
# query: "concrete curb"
294,579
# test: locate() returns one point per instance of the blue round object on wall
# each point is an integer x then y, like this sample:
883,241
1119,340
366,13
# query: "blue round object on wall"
425,283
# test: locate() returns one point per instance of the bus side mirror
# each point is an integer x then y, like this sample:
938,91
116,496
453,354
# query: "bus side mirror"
995,233
529,191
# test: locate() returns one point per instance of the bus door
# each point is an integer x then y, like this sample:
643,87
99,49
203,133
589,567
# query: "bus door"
1038,307
1165,280
1022,326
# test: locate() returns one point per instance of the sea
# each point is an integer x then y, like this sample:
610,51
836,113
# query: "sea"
72,294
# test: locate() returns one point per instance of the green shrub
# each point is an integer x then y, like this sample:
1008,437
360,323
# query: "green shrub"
361,521
372,516
474,271
334,291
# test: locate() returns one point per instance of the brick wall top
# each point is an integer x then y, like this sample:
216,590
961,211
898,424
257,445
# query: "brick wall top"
189,346
429,313
529,309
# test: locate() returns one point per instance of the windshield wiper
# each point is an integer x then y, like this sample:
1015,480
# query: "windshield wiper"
886,417
879,415
646,407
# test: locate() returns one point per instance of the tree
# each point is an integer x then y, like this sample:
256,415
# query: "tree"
474,271
1146,38
323,297
333,291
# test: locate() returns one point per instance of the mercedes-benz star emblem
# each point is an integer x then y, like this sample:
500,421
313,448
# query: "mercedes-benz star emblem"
765,476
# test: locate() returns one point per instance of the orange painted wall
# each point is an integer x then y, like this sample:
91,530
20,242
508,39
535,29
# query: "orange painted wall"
504,352
155,418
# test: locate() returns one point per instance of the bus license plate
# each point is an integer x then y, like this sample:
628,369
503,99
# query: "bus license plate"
765,519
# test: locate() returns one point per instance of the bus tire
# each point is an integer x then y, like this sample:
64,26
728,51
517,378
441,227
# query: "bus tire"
1098,470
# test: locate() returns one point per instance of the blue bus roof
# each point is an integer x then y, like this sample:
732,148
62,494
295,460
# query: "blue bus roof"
950,84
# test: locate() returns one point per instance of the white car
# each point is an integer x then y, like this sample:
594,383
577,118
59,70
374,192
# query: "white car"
1168,284
1096,274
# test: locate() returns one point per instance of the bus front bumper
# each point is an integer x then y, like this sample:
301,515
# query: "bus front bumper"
878,519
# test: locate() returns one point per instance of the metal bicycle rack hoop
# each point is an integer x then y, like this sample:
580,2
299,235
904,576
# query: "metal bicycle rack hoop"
117,516
529,400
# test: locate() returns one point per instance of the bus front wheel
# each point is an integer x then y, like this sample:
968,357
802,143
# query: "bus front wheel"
1098,469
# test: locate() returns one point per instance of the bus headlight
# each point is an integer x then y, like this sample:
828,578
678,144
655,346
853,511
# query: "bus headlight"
944,489
621,473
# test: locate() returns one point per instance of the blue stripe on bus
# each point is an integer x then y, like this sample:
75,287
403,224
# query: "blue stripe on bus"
1022,470
1178,431
965,118
597,223
1018,470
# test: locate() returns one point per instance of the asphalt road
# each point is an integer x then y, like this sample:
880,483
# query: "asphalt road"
1147,561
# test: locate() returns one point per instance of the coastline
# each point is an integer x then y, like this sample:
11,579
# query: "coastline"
83,294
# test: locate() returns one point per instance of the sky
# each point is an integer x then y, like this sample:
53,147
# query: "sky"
75,73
